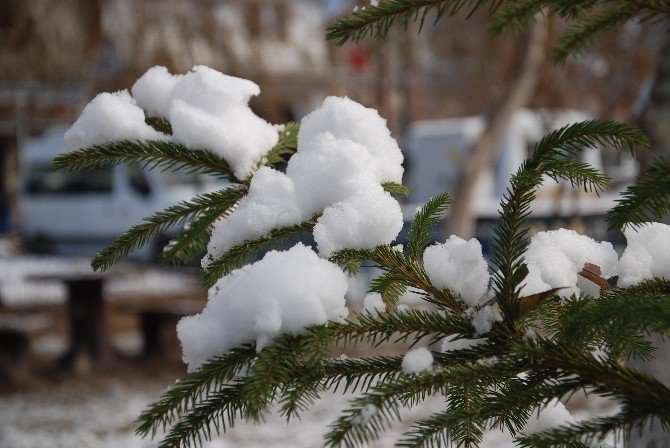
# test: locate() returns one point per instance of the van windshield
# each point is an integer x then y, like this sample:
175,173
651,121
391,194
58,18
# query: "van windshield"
43,180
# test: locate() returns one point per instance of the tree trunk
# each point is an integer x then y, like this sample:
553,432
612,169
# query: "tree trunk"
462,219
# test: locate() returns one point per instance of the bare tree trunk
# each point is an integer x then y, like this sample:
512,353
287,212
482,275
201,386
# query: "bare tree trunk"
462,220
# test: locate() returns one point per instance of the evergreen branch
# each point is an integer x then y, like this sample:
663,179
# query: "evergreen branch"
160,124
137,236
648,198
220,409
390,288
235,257
371,413
377,20
377,329
285,147
582,35
194,387
396,189
154,153
548,157
192,240
590,431
420,234
516,16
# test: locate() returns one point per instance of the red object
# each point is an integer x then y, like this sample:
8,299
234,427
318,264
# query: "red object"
359,58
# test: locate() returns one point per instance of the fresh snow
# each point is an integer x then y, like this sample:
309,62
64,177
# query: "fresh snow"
207,110
334,172
459,266
109,117
554,259
366,414
361,222
283,293
417,360
373,303
647,254
349,120
483,319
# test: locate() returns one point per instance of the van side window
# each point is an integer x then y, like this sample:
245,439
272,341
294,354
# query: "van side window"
43,180
138,180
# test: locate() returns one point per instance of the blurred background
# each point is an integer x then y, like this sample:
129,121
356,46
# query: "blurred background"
442,91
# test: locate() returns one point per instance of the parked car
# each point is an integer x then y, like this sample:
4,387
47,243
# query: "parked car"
81,212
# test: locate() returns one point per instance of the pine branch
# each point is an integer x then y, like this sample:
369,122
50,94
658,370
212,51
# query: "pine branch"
193,388
192,240
582,35
137,236
285,147
235,257
516,16
377,20
160,124
154,153
390,287
548,157
649,198
420,234
396,189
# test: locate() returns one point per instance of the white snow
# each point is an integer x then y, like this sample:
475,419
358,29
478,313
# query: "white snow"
417,360
153,91
333,173
554,259
209,110
459,266
647,254
452,344
282,293
373,303
366,414
349,120
327,170
483,319
109,117
361,222
270,204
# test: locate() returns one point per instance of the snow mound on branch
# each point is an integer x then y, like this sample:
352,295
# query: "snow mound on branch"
270,204
554,259
647,254
209,110
373,303
283,293
417,360
361,222
459,266
153,91
330,171
349,120
483,319
109,117
330,175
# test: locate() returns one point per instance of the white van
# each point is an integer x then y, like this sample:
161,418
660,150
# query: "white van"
81,212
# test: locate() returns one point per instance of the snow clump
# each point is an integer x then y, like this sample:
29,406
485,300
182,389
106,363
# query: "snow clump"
459,266
647,254
417,360
337,172
361,222
373,303
483,319
109,117
366,414
283,293
348,120
556,257
207,110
